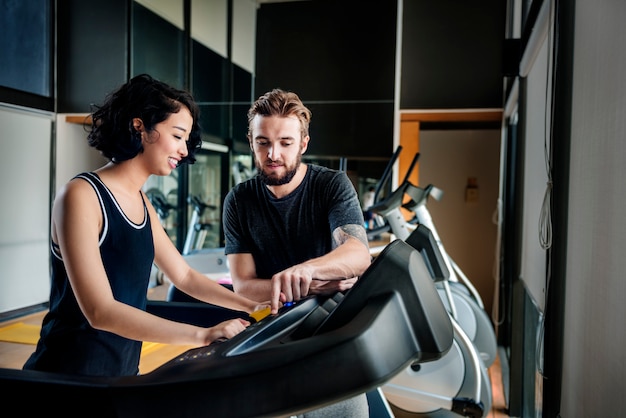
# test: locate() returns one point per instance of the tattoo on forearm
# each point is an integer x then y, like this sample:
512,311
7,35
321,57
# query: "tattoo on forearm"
341,234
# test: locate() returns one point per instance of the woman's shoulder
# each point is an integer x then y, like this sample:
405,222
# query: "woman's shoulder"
77,189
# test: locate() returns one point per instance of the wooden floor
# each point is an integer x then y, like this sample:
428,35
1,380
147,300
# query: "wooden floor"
498,407
13,355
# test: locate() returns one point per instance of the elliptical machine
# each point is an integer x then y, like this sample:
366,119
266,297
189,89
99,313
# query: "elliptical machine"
459,382
467,302
461,298
456,384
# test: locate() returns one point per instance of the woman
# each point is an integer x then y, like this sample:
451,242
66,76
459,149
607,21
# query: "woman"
106,235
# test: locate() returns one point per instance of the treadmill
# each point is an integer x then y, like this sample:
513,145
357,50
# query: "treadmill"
311,354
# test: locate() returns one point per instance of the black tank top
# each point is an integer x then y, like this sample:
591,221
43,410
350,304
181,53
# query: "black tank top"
68,344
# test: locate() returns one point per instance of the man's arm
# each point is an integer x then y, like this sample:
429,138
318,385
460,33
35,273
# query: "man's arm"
349,258
336,271
333,272
244,278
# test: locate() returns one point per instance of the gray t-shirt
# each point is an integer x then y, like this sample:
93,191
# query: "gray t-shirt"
280,233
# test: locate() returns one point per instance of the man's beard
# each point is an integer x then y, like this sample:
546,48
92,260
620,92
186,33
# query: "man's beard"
278,181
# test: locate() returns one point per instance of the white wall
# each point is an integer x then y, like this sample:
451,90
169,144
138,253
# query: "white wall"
594,362
26,139
209,25
244,34
27,189
73,153
467,229
170,10
537,138
536,71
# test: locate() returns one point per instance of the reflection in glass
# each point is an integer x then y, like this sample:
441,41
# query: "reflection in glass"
205,199
163,194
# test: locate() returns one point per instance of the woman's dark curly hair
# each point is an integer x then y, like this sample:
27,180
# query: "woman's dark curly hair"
152,101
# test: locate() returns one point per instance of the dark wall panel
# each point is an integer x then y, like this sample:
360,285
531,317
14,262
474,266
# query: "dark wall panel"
343,50
158,47
351,129
242,98
452,54
25,46
224,92
211,91
92,42
342,65
209,71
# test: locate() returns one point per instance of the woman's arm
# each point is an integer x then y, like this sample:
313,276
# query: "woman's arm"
76,223
173,264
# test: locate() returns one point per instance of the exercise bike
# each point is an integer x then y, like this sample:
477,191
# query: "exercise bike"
209,261
242,173
212,262
163,209
417,205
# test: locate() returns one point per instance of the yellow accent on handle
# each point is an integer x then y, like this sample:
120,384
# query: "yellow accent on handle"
260,314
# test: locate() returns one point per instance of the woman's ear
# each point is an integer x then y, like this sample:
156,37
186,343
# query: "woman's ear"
138,124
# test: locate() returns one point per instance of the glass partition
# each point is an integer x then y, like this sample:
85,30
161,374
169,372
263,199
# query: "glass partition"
163,194
204,208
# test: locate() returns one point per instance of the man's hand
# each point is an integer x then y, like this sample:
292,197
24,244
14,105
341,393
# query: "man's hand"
290,285
297,283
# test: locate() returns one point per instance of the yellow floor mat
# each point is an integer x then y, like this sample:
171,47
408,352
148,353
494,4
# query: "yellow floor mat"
29,334
20,333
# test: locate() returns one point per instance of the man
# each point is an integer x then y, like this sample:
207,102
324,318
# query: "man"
295,229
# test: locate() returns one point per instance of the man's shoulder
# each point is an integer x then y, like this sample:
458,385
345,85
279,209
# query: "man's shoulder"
324,172
329,180
322,169
249,184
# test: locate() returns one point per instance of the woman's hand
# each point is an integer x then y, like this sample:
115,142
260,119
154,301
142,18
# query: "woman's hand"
227,329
